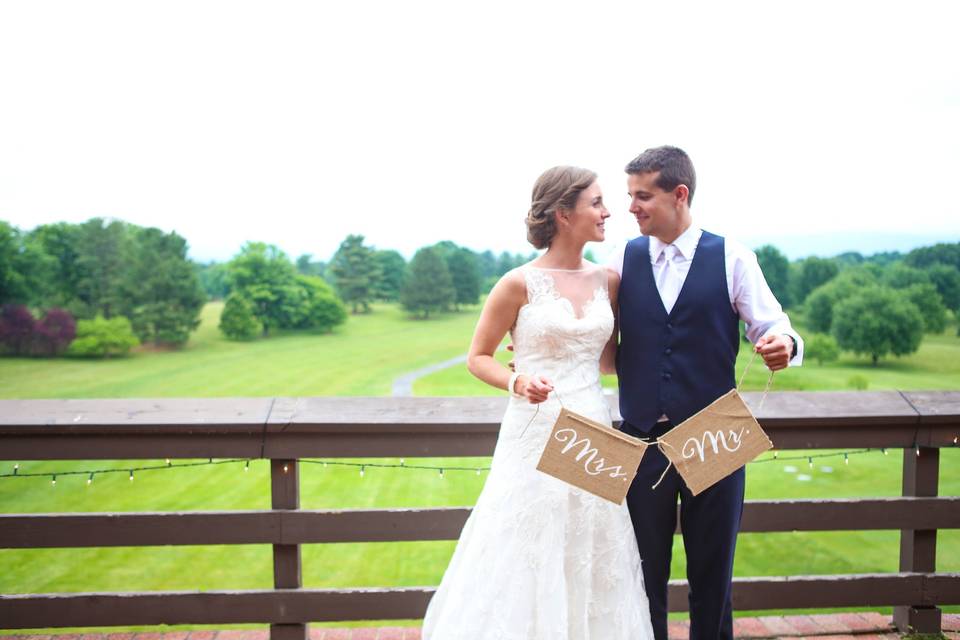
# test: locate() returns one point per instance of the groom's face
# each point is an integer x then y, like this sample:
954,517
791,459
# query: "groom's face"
655,209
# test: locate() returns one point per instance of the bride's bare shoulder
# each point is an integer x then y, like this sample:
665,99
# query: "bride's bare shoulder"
511,286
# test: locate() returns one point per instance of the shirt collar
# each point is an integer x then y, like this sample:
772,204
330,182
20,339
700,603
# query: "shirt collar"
686,243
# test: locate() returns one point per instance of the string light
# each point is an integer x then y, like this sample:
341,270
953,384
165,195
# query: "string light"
53,481
362,466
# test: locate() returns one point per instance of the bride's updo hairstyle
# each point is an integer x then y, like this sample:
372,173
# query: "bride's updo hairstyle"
557,188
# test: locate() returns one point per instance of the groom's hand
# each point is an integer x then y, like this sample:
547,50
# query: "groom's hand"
775,351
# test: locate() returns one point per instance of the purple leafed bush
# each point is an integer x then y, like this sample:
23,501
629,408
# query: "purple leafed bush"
23,335
54,333
16,329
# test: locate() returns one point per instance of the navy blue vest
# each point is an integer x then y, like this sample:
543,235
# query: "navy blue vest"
679,363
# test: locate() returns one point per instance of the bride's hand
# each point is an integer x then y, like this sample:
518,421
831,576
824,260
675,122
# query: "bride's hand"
534,388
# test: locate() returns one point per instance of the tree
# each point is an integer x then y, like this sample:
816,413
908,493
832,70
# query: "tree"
820,303
13,289
237,320
821,347
465,274
776,271
943,253
877,321
163,293
901,276
393,271
355,273
265,277
214,279
103,338
322,309
809,274
928,302
104,252
429,286
947,281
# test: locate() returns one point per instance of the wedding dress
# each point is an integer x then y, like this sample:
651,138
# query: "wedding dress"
539,558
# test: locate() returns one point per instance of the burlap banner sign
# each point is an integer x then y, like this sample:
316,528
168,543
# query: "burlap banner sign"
591,456
715,442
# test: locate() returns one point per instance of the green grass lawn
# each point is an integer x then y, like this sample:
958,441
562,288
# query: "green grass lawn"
362,358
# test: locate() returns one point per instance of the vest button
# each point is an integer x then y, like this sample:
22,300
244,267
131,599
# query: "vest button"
669,325
668,351
666,375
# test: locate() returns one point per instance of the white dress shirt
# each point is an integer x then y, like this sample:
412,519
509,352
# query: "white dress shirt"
750,296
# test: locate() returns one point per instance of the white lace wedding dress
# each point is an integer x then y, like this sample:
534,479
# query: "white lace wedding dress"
538,558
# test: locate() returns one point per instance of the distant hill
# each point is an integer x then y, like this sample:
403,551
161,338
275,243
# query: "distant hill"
826,245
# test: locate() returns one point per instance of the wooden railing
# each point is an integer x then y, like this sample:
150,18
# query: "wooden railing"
285,429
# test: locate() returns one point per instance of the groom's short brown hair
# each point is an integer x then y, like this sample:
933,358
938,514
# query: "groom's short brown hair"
673,164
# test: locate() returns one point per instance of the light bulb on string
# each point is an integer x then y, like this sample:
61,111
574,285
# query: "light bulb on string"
441,474
53,481
168,462
131,475
884,452
286,468
918,451
810,462
402,462
846,459
90,480
362,468
246,467
775,454
16,468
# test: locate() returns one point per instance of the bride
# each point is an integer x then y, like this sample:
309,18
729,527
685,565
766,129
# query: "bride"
538,558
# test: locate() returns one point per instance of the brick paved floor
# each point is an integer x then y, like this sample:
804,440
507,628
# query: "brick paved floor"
841,626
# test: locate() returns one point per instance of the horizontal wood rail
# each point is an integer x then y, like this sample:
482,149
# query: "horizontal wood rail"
323,605
20,531
285,430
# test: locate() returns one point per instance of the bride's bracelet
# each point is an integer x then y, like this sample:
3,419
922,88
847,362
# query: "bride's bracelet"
512,383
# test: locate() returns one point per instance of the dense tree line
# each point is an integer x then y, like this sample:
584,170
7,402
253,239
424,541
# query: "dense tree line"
874,306
101,269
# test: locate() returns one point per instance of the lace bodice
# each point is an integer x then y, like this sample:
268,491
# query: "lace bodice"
561,331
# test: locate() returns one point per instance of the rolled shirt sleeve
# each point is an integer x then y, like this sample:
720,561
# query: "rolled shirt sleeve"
753,300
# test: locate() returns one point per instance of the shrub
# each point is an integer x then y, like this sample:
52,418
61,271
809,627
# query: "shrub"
237,321
54,332
858,382
822,348
16,329
103,338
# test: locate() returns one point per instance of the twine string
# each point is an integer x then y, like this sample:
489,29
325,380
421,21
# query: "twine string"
660,442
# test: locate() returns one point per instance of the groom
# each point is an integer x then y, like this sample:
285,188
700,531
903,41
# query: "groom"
683,293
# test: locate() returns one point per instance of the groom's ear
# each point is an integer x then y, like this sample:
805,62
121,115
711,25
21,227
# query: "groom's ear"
682,193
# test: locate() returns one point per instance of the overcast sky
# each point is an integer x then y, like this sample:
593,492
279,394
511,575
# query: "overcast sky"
297,123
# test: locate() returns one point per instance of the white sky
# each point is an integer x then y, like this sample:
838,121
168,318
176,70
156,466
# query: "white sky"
296,123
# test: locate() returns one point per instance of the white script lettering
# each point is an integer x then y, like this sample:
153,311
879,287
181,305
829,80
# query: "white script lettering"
587,454
696,447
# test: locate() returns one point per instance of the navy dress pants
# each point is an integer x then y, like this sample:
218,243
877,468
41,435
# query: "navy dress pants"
709,523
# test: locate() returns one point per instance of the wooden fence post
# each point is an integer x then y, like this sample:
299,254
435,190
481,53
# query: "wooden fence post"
285,494
918,548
